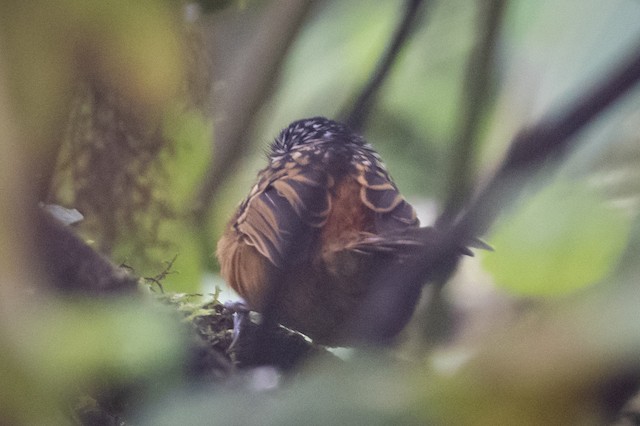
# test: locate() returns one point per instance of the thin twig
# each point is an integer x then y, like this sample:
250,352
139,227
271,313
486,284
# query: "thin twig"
359,112
158,278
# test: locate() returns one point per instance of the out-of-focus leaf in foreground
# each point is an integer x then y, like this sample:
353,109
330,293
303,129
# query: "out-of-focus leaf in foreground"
68,348
559,240
366,391
567,365
122,339
571,364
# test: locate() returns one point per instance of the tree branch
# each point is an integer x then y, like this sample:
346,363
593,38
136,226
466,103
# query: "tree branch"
550,138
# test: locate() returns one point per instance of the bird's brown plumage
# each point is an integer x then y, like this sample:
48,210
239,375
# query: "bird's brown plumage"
324,213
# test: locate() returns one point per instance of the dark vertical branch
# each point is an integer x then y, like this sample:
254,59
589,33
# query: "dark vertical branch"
247,91
357,116
475,98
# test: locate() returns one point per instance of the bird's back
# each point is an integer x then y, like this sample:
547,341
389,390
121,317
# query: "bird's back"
324,213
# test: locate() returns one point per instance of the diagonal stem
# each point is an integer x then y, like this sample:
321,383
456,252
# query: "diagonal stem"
359,112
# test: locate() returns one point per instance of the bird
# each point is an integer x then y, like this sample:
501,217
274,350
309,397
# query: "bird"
324,216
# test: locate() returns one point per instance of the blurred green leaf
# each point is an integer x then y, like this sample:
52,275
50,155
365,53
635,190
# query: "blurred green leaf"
123,340
567,364
59,349
364,391
559,240
23,400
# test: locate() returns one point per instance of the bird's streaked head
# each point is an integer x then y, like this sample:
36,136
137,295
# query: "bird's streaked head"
313,130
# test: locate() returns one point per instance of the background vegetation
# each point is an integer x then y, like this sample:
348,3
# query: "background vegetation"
151,118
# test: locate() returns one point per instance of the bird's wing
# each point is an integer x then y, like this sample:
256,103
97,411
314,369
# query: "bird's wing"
286,209
378,192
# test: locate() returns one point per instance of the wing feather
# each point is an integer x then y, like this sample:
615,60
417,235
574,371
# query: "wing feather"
280,217
380,194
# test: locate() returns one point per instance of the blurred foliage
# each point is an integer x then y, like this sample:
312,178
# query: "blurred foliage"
49,46
115,97
61,349
211,6
123,341
562,239
560,366
123,69
133,170
372,390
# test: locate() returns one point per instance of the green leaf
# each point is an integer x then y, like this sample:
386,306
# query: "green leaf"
562,239
126,339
